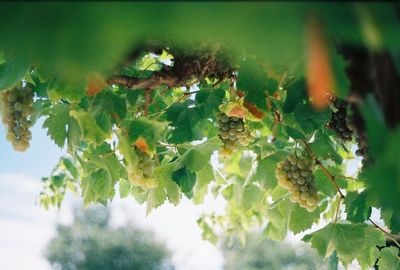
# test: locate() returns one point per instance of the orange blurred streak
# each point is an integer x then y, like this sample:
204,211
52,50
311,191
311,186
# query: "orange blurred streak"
318,68
251,107
96,83
142,144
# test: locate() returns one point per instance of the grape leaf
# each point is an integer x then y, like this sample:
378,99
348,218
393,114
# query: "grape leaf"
74,135
357,208
294,133
62,90
13,70
296,93
148,131
124,188
301,219
251,194
57,123
96,186
253,81
108,102
208,101
389,259
195,158
278,220
203,178
163,174
155,198
323,148
91,131
265,171
127,151
185,180
184,120
370,252
343,238
310,119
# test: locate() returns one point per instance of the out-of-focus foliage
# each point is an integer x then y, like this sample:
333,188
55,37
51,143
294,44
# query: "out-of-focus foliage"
91,243
260,253
73,39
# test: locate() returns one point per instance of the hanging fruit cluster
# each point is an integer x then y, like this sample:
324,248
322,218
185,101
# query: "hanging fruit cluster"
296,175
340,120
16,110
142,175
233,132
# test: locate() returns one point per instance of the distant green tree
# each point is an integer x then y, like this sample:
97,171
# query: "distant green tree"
268,254
90,243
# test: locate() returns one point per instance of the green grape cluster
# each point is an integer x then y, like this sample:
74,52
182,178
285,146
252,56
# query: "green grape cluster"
142,174
16,110
296,175
340,121
233,131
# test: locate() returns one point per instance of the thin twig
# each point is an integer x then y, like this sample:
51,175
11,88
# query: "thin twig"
191,93
147,96
385,232
337,210
346,177
330,177
324,170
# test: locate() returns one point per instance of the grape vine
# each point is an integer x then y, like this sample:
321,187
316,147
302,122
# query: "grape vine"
173,121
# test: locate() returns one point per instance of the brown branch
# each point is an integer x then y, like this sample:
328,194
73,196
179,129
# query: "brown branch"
385,232
149,83
147,96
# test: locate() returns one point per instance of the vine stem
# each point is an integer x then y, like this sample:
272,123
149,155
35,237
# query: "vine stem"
337,210
385,232
324,170
346,177
147,96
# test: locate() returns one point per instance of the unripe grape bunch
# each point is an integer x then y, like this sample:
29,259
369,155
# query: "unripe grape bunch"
340,121
16,111
142,175
296,175
233,132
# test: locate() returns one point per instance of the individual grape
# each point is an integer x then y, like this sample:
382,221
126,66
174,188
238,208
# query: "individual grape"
16,110
232,132
143,174
296,175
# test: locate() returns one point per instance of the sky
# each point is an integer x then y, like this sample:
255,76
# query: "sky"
26,228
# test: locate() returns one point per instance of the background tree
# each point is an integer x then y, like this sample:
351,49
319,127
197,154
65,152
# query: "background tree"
258,254
90,243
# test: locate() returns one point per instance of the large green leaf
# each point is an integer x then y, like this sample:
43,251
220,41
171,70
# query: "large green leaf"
357,208
185,180
389,259
91,131
57,123
350,241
